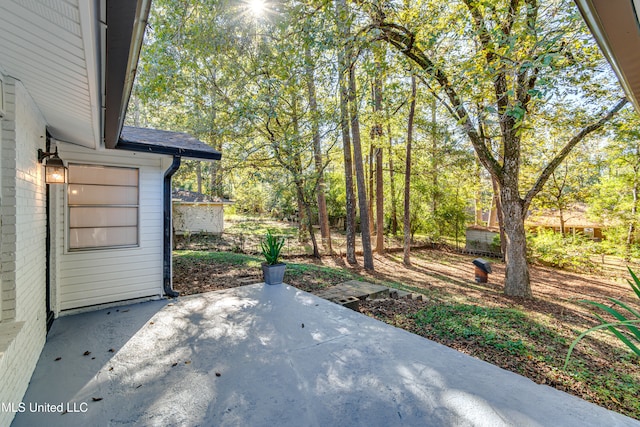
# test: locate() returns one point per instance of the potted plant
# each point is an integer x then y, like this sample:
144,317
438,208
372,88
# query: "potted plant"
272,268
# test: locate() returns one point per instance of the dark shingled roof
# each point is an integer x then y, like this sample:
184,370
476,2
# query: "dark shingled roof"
165,142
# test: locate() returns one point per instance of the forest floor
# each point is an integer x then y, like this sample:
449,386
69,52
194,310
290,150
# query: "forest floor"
527,336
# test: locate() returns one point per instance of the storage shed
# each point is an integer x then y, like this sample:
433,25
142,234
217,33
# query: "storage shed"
196,213
480,240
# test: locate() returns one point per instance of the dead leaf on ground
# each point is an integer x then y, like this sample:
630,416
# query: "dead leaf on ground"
96,399
57,358
86,353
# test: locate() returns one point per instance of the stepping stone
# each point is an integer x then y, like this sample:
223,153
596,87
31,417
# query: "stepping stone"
362,290
350,302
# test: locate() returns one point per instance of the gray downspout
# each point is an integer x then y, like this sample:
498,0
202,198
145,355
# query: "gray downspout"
168,228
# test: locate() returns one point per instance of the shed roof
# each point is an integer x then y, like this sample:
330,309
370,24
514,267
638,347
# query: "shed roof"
165,142
195,197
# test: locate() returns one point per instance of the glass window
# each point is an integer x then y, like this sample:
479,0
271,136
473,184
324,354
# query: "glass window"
103,207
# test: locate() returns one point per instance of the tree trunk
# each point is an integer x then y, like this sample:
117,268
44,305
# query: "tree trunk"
199,176
323,218
634,213
357,158
392,185
306,208
497,216
434,162
377,142
343,65
407,177
516,279
371,191
477,201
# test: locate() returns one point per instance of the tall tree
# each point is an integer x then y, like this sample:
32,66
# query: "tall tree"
358,160
376,141
513,50
344,56
407,175
323,218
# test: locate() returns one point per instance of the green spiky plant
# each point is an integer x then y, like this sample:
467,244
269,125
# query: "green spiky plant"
271,246
626,318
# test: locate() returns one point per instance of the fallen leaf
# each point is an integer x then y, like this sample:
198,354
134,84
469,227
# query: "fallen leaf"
615,400
57,358
96,399
108,312
86,353
187,362
218,374
303,325
111,350
151,323
93,358
175,364
140,385
111,368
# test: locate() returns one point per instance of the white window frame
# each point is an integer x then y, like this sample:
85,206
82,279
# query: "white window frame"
69,205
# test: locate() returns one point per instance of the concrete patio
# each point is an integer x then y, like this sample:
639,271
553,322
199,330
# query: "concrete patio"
274,356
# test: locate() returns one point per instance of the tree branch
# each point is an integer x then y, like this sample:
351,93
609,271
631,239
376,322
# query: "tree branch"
548,170
404,41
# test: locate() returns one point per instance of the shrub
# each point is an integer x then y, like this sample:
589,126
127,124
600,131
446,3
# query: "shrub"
554,249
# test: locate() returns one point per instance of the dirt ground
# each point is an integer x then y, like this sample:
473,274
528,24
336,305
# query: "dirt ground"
443,275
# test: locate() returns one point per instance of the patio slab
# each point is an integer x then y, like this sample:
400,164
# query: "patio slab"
262,355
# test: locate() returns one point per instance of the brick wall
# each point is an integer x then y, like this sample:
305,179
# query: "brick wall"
22,242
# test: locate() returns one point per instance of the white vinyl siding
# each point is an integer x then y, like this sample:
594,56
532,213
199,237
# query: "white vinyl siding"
103,207
90,277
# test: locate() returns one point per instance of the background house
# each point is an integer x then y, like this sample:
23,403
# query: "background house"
575,221
196,213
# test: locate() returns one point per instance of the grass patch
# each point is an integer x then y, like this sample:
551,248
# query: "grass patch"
236,224
504,329
228,258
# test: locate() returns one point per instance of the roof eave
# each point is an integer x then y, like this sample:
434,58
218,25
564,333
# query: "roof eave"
126,23
171,151
614,26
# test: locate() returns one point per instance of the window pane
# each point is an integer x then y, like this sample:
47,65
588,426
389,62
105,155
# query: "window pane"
87,174
102,217
102,206
80,238
102,195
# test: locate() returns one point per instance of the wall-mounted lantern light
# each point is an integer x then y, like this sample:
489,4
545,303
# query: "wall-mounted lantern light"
54,170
